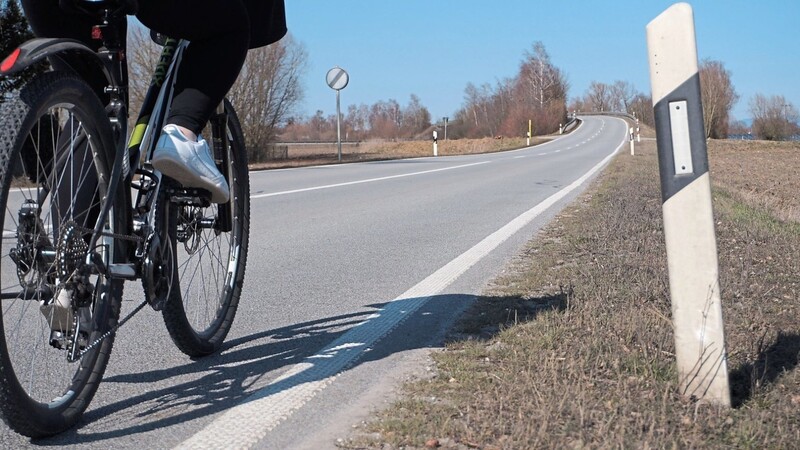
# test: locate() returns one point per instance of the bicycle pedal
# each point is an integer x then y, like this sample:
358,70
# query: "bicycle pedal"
190,197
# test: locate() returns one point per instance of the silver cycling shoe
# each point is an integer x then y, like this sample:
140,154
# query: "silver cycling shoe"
189,163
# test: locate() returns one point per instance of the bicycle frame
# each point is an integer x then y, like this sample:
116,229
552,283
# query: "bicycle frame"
154,111
111,60
78,234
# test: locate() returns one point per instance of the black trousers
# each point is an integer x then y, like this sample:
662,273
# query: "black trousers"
219,35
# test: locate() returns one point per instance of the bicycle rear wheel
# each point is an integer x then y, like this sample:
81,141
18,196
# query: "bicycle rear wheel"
55,157
210,248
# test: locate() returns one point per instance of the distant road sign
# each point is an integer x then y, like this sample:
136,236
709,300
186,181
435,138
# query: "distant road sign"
337,78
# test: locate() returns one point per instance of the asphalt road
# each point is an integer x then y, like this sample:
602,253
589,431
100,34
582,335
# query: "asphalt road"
354,272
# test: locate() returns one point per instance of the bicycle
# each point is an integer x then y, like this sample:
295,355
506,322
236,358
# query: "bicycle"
73,232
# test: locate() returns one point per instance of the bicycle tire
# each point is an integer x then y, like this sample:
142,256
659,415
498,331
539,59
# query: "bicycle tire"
201,309
57,148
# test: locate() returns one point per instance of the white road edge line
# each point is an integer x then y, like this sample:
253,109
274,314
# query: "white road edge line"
248,423
370,180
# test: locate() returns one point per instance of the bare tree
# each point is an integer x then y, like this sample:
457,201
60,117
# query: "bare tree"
538,92
578,104
472,101
478,104
718,97
642,107
774,118
598,97
143,56
416,117
539,75
622,94
268,88
356,121
382,119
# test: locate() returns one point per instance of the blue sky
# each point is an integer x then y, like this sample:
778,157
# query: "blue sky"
433,48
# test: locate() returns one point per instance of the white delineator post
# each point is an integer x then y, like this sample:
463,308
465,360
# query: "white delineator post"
435,143
638,134
630,138
688,218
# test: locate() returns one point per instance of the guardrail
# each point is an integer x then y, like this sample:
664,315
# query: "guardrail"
605,113
572,121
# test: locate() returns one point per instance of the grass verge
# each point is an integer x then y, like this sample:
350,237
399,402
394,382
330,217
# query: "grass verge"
573,347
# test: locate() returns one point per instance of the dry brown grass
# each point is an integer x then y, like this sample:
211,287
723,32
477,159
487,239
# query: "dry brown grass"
763,174
573,347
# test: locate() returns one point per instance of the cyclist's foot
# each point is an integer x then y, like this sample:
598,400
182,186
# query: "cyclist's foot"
189,163
58,312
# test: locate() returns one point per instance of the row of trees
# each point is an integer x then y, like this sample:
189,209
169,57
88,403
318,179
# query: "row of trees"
381,120
270,87
774,117
619,96
716,89
538,93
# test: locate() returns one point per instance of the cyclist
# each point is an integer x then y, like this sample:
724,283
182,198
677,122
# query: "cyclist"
220,33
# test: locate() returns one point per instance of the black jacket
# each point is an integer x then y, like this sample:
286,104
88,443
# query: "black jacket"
267,21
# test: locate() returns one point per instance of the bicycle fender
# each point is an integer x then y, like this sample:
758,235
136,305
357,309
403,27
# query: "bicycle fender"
35,50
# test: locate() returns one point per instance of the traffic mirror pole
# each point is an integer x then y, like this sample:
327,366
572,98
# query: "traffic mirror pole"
337,79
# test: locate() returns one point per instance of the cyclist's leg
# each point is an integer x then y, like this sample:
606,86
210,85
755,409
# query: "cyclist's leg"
74,185
219,32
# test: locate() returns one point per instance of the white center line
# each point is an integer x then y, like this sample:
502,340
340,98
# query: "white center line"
369,180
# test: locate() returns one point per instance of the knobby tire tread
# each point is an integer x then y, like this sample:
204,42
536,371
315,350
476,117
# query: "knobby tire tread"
180,330
19,411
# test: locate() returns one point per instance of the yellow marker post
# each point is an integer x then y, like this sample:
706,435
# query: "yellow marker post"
529,132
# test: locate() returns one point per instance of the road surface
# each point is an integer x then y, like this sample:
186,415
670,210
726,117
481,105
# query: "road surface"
354,273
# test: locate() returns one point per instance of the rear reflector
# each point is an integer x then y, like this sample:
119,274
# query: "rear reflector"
9,62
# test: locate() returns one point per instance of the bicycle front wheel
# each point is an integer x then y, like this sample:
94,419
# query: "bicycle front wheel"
210,249
55,154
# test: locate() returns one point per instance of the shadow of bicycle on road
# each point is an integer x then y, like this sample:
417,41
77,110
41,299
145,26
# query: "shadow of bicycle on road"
251,367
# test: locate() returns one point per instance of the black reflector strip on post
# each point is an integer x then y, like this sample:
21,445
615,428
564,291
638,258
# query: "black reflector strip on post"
673,178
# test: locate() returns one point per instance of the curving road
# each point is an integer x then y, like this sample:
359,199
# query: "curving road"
354,271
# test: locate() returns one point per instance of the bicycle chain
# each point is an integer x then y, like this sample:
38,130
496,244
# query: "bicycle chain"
127,237
89,347
108,333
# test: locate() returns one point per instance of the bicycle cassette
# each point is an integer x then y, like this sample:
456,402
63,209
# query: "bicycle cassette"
71,250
